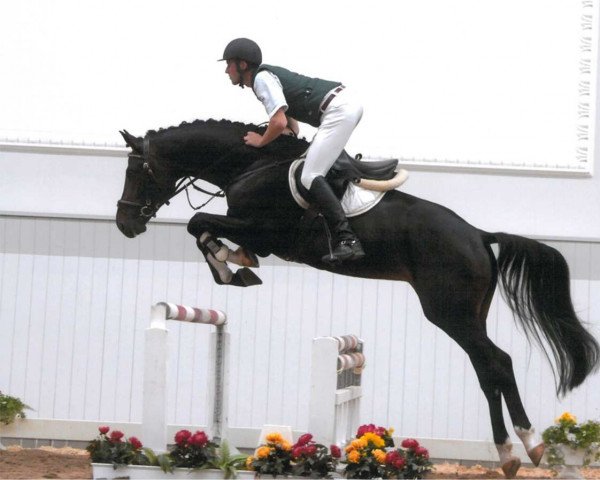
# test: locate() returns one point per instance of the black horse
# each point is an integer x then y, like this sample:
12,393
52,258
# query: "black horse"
449,263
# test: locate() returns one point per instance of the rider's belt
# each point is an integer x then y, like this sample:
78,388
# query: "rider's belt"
329,98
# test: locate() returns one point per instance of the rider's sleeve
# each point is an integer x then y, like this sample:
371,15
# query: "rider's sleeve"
269,91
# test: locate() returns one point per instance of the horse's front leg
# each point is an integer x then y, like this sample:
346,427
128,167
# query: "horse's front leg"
206,228
242,256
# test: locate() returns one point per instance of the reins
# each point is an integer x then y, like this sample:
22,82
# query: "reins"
149,209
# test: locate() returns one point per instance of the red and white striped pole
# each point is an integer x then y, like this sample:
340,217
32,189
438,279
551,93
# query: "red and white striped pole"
154,412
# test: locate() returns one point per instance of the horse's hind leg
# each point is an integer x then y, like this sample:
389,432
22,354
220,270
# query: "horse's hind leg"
532,442
459,308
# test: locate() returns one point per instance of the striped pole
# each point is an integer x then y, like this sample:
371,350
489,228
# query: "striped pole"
335,390
155,371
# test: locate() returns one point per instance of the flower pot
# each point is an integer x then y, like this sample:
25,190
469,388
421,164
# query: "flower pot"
105,471
573,461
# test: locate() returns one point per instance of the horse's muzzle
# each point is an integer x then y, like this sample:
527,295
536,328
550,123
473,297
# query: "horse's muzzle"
131,230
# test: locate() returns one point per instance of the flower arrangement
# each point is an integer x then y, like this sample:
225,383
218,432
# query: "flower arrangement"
577,436
310,459
192,450
272,458
305,458
372,455
115,449
11,408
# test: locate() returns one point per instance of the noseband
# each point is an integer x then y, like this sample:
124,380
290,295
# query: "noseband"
150,207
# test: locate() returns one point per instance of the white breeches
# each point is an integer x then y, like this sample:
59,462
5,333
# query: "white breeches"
337,124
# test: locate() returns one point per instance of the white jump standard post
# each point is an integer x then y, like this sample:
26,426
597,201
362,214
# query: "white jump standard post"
154,412
335,390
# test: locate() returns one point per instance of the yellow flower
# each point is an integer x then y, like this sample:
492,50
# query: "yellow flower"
353,456
376,440
249,461
379,455
390,431
274,437
349,448
567,418
359,443
263,452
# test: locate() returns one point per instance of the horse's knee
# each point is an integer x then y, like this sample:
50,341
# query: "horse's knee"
197,225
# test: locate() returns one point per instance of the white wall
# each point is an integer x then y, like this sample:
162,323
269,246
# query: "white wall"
76,296
89,186
472,82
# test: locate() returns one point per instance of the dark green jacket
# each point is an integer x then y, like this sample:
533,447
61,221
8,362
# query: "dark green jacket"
303,94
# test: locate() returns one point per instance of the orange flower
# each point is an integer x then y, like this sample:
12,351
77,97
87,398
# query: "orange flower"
263,452
285,445
274,437
567,418
353,456
359,443
373,438
249,461
379,456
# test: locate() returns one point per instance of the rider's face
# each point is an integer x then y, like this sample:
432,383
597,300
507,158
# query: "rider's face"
232,71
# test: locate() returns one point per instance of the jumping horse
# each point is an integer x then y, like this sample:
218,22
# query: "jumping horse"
449,263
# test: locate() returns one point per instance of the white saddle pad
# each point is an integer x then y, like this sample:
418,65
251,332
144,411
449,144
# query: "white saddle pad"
356,200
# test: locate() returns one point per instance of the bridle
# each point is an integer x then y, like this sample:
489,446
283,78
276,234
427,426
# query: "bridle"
149,208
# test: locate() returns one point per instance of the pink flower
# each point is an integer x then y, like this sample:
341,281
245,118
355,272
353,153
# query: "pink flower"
304,439
410,443
116,436
297,452
182,436
399,463
198,439
310,450
103,430
422,452
370,428
391,457
135,443
335,451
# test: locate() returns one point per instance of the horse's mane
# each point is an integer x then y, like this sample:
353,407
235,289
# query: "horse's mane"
284,146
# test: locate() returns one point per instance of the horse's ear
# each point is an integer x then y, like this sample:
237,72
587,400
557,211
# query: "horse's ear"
135,143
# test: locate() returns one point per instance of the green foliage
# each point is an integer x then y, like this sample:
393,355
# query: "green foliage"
227,462
162,460
11,408
576,436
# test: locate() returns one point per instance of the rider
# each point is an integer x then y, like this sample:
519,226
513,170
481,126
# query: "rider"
289,97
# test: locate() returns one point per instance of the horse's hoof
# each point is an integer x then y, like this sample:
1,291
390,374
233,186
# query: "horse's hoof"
245,277
511,467
249,259
536,453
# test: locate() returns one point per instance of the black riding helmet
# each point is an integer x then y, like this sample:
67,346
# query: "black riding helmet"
243,49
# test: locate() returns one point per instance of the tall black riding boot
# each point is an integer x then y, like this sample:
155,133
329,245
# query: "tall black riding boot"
346,244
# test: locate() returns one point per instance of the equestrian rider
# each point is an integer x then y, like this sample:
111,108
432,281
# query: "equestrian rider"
289,97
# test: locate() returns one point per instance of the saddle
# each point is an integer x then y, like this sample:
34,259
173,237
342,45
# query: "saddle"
348,169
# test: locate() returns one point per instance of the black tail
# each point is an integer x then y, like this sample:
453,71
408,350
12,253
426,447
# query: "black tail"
535,283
